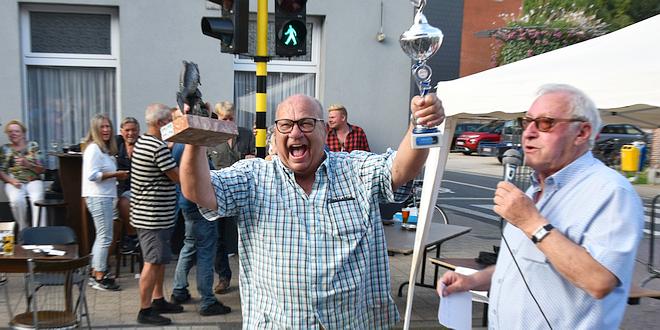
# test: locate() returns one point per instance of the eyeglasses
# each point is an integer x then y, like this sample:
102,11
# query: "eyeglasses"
306,125
545,124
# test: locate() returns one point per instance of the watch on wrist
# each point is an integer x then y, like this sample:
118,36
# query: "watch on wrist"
541,233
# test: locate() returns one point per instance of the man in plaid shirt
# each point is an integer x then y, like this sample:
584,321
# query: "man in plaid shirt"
343,136
312,248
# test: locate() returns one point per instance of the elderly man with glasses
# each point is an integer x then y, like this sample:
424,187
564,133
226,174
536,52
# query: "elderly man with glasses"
569,248
312,247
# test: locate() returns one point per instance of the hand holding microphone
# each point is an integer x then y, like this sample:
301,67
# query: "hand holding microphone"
511,203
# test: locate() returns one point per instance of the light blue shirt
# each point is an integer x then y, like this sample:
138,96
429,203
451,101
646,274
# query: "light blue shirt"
593,206
310,260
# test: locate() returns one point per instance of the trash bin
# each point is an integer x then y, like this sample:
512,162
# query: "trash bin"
629,158
641,145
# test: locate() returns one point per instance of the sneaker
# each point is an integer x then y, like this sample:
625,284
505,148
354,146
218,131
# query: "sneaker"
180,298
105,284
149,316
129,244
216,309
222,286
163,306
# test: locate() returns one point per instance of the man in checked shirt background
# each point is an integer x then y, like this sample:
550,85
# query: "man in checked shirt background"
343,136
312,248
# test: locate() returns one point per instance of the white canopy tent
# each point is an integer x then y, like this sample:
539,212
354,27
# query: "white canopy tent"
620,71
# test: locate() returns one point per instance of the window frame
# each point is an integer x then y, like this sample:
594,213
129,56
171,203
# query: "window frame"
30,58
293,66
69,59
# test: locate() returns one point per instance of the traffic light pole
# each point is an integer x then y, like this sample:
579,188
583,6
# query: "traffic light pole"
261,61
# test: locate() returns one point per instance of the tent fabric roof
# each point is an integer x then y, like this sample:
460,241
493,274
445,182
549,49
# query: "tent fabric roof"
620,71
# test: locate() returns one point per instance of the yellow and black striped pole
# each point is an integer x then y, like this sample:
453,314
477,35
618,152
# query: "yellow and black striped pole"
261,61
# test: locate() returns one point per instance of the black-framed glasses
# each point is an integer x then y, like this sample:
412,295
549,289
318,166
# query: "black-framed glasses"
545,124
306,125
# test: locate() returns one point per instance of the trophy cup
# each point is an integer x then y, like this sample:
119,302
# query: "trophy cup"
196,127
420,42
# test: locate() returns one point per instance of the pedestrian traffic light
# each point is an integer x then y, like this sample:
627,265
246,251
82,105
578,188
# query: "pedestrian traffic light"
231,28
290,27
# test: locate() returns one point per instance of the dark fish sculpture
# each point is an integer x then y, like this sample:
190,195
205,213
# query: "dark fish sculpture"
189,92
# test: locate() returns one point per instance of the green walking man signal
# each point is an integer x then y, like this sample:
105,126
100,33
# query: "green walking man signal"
291,27
291,36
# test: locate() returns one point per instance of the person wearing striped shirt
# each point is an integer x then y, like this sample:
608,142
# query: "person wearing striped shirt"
312,247
154,175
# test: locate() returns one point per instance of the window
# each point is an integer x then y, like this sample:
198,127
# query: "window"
70,63
285,77
633,130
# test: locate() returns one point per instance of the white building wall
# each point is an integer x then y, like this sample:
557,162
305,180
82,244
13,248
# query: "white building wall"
371,78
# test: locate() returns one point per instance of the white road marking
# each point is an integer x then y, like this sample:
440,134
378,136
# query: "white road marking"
472,212
469,185
488,207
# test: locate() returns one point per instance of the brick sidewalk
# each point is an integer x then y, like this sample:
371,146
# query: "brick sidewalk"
119,309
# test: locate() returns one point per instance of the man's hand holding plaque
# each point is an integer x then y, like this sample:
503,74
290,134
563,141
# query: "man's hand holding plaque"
195,126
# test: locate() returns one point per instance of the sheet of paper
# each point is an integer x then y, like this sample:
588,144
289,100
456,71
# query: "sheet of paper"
56,252
40,247
455,310
469,271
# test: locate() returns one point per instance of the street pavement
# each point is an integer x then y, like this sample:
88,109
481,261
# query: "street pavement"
118,310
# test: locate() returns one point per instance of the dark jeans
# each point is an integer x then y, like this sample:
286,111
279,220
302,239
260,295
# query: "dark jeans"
221,260
200,240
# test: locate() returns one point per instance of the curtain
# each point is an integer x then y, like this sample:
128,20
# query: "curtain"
280,85
61,101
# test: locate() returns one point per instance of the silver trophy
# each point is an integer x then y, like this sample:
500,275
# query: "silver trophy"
420,42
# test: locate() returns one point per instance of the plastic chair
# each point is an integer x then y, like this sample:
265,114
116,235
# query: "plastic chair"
48,235
51,302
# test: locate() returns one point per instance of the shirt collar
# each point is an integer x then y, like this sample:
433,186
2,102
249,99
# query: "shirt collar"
326,165
566,174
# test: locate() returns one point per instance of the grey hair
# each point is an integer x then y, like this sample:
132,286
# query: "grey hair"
156,112
130,120
580,106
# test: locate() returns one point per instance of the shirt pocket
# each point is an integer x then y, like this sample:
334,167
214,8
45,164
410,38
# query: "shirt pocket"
348,220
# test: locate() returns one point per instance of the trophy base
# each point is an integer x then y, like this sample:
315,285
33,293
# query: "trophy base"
424,138
199,131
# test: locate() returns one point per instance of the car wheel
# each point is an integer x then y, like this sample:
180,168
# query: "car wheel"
467,153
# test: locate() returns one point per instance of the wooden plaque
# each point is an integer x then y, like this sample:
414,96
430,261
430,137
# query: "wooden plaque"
197,130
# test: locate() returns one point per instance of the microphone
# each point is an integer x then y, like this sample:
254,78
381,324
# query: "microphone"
511,160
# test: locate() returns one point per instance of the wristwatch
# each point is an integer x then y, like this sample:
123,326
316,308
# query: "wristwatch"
541,233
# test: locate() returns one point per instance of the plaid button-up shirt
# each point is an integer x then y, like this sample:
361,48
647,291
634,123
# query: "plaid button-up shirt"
356,139
311,260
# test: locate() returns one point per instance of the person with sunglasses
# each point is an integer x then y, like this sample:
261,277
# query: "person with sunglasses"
569,247
312,247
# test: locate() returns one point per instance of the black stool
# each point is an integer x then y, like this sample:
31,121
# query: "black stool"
120,257
49,203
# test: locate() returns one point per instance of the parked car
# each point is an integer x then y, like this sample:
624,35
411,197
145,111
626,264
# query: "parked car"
460,128
468,142
624,133
612,137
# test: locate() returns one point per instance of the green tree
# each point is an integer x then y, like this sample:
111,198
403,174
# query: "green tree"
546,25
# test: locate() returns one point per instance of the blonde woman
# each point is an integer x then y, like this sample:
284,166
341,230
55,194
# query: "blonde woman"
99,188
21,169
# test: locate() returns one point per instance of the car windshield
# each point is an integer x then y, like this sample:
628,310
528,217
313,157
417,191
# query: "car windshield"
490,127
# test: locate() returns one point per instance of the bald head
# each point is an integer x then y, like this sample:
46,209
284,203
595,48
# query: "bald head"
301,101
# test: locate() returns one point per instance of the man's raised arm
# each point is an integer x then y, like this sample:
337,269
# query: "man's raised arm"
408,162
196,178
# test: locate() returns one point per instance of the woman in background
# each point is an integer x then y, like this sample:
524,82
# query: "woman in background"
21,170
99,187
